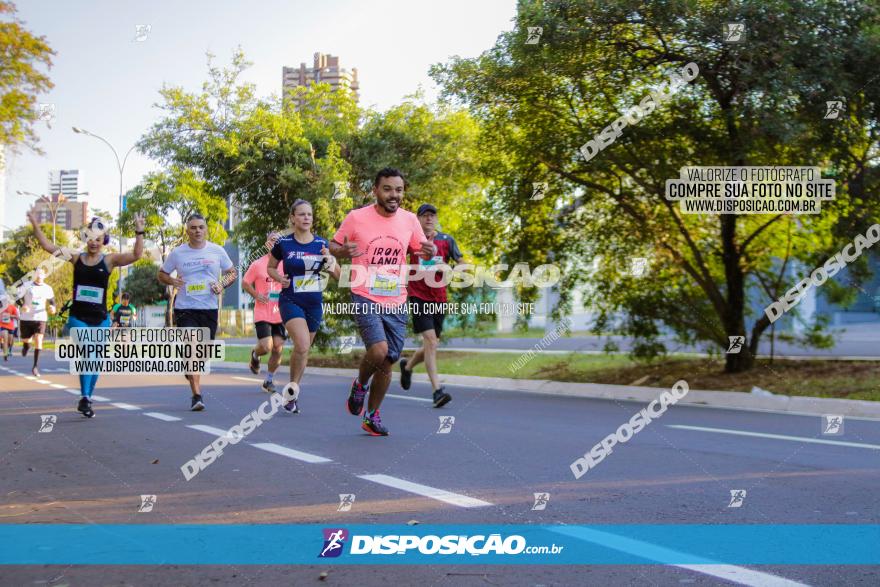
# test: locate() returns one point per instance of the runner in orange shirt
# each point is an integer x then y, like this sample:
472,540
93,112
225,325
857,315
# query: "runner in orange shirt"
7,329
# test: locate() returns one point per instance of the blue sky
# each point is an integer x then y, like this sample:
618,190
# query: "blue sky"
107,83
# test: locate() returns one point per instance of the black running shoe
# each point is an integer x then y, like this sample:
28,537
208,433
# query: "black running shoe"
356,398
35,371
24,349
405,375
255,363
85,407
197,404
5,356
441,398
269,387
373,424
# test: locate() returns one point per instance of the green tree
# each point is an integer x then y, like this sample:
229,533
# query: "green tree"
761,102
142,285
23,54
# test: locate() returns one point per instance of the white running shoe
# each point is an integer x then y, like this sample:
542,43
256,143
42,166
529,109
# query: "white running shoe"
290,395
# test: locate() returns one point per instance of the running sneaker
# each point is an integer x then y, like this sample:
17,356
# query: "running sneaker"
5,356
269,387
85,407
290,394
356,398
373,424
441,398
35,371
405,375
197,404
24,349
255,363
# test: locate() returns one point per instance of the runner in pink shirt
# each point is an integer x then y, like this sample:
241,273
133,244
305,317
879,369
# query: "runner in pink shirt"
267,319
377,239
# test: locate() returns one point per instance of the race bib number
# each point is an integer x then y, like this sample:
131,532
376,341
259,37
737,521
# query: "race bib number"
430,263
384,285
4,317
198,288
274,291
308,283
124,320
89,294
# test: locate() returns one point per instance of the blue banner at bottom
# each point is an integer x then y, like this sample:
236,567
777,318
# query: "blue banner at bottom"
280,544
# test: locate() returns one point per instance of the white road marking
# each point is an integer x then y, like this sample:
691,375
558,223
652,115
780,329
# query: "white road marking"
415,399
426,491
775,436
57,386
72,391
209,429
161,416
123,406
289,452
246,379
649,551
28,377
44,381
100,398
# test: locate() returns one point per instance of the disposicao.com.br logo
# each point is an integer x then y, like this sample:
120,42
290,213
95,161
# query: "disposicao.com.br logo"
454,544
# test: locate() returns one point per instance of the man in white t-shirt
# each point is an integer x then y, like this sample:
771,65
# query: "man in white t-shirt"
38,303
198,265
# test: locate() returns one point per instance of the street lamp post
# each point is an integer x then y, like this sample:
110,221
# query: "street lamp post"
52,203
121,167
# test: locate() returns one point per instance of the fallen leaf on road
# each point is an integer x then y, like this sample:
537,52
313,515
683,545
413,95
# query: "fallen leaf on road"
155,462
412,523
322,576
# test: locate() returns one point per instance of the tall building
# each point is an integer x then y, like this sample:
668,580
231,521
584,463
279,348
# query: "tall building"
64,181
69,213
325,69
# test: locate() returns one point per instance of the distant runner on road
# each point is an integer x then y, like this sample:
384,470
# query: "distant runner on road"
199,265
267,319
124,313
424,293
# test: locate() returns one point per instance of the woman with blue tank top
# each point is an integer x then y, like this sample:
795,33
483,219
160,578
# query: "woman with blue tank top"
304,257
91,275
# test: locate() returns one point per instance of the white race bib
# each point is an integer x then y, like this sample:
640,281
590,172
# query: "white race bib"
198,288
87,293
384,285
308,283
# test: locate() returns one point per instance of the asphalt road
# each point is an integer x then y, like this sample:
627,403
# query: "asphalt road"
501,450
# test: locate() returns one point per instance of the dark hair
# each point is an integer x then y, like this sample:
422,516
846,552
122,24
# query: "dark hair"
389,172
125,295
195,216
297,203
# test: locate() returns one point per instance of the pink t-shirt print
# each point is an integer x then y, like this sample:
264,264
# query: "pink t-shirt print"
265,286
384,242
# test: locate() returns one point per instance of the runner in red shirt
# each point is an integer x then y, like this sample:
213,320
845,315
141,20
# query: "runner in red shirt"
7,329
424,297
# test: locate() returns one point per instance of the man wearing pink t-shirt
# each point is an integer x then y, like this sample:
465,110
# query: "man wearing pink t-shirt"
377,239
267,319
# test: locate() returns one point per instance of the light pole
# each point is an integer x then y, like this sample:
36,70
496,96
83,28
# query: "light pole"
121,167
53,203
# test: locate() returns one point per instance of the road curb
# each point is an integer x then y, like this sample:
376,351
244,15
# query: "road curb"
717,399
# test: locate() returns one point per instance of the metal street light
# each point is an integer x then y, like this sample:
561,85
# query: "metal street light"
120,166
53,203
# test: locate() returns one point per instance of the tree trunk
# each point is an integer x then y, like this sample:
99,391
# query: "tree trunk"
734,318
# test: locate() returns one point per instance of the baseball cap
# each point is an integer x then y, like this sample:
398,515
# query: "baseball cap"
425,208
